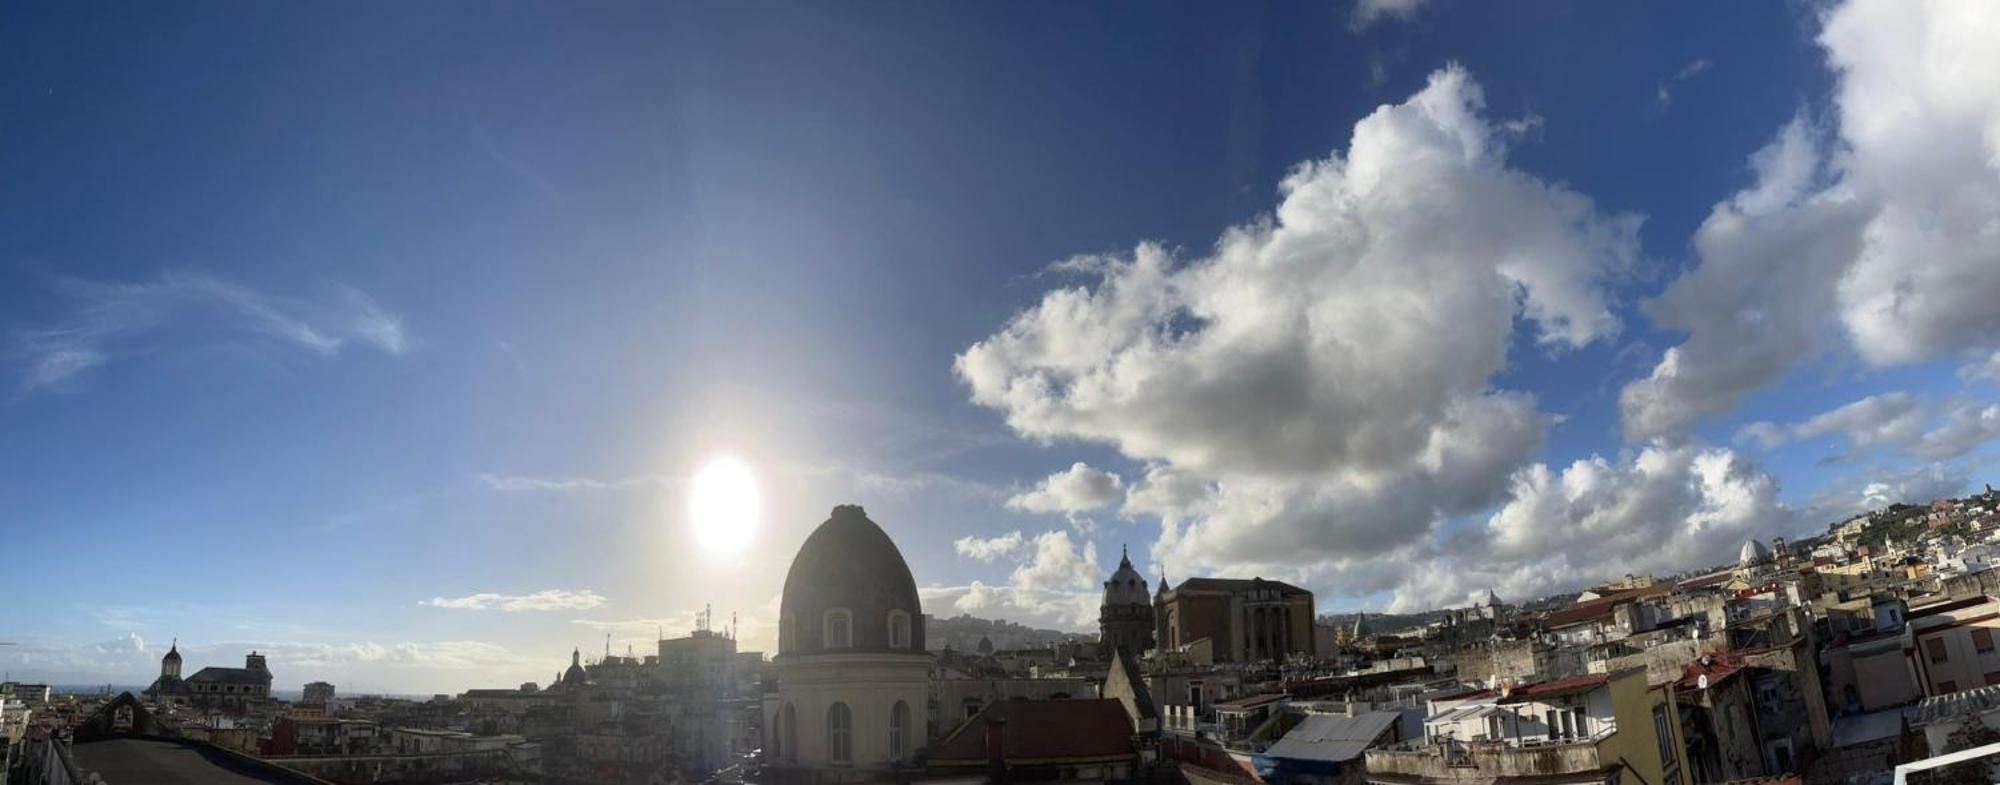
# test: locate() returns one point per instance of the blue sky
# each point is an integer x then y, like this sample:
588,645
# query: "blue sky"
387,337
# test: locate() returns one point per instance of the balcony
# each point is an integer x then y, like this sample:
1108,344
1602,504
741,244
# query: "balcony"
1452,761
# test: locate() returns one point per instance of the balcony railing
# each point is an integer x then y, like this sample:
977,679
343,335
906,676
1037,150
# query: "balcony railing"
1456,760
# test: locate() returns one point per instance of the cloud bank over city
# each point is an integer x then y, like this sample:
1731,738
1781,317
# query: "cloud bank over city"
1321,388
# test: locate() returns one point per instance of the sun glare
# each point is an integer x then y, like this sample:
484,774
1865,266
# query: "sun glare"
723,506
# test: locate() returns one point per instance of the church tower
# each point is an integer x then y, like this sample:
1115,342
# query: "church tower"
1125,620
170,665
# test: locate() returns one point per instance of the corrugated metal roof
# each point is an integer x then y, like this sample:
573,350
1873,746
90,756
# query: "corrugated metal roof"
1332,737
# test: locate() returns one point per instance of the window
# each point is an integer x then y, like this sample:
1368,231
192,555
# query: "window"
1982,639
1947,687
1555,725
899,731
839,739
1993,678
899,630
1934,648
788,734
839,629
1665,735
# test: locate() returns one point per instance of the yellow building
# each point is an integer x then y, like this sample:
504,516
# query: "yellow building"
1599,728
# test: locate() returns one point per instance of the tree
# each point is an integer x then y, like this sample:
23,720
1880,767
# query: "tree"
1972,733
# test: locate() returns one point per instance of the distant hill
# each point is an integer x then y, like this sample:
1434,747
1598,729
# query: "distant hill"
1380,623
962,633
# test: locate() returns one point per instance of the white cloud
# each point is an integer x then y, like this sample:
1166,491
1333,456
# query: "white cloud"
1876,489
1890,418
1659,511
1318,389
112,319
1986,368
1077,489
1053,581
1695,68
1897,419
1763,433
987,549
1882,244
517,483
544,600
1967,425
1368,12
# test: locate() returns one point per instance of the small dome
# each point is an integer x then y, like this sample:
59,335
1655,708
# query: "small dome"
575,674
1126,586
1754,553
173,653
850,564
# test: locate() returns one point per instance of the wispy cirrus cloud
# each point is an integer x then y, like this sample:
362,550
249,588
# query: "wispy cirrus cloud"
110,320
1665,91
544,600
514,482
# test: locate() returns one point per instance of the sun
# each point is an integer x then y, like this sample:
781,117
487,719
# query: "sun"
724,506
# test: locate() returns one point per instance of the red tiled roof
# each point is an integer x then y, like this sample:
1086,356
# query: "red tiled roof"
1719,667
1706,580
1555,687
1593,609
1042,730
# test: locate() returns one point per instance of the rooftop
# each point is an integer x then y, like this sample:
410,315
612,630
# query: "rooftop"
1042,731
154,762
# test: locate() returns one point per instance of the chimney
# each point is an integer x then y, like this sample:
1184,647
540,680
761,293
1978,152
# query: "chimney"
996,749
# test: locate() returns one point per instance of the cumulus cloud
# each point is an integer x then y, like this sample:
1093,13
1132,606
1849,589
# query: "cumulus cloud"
1077,489
1877,419
1967,425
113,319
1660,511
1849,496
987,549
1984,368
1368,12
544,600
1053,581
1878,242
1906,422
1317,388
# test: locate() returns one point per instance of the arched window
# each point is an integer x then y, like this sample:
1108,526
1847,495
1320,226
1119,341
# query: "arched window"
784,737
839,629
899,731
899,630
839,734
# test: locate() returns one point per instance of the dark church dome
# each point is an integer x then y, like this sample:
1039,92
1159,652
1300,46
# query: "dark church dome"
849,570
1126,586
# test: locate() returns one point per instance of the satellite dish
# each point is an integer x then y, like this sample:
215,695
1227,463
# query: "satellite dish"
1701,682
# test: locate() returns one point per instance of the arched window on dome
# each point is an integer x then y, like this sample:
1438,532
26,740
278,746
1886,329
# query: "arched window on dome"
899,629
839,734
839,629
899,731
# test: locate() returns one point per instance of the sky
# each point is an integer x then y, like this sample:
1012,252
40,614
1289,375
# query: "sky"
387,338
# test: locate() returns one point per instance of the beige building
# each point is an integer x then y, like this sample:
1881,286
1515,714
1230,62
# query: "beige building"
853,677
1244,620
1952,645
1600,728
